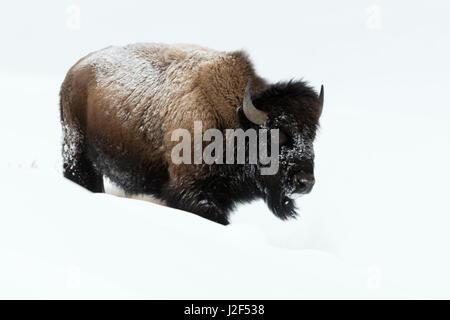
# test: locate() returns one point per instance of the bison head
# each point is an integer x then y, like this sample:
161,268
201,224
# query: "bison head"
294,109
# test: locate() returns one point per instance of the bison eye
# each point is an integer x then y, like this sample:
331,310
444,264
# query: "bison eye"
283,138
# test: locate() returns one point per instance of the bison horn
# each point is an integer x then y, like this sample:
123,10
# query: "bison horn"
254,115
321,100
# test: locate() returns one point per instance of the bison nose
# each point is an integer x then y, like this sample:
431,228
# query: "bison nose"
303,182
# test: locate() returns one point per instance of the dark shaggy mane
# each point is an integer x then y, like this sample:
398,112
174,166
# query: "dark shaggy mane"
296,96
292,89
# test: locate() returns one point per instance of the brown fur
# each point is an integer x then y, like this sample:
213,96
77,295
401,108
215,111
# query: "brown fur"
188,83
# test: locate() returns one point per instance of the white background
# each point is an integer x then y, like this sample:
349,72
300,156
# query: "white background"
375,226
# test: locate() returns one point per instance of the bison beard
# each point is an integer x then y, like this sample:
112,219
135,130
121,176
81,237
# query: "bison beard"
119,106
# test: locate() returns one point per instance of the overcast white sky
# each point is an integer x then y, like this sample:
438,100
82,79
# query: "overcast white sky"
379,48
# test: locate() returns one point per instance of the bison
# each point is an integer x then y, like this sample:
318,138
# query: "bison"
120,105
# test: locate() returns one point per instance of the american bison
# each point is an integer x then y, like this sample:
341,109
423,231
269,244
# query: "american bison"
120,106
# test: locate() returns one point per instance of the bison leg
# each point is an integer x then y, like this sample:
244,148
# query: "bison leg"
77,167
197,202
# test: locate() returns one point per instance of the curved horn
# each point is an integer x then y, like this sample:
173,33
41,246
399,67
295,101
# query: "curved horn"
254,115
321,100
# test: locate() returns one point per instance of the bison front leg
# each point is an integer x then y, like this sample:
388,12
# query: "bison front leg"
198,200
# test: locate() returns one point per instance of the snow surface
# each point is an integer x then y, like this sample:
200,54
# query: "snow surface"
58,240
376,224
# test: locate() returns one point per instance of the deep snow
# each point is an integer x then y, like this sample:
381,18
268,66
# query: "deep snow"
375,225
59,240
370,228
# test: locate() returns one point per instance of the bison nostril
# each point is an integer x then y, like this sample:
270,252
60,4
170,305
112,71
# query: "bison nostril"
301,186
303,183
